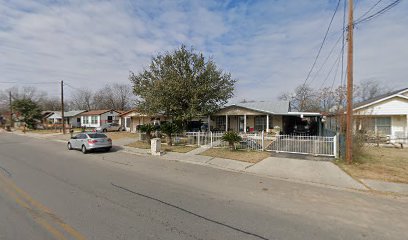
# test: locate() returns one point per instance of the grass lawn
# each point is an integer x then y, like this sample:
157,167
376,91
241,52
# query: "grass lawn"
385,164
240,155
165,147
119,135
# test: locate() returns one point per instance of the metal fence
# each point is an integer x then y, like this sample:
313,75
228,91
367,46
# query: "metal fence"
313,145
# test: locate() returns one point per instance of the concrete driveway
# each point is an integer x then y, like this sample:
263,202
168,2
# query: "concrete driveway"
320,172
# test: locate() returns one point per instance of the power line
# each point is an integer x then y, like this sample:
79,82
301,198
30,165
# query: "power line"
378,13
327,58
27,83
369,10
322,44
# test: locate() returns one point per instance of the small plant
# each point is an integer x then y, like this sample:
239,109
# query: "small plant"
148,129
169,128
231,138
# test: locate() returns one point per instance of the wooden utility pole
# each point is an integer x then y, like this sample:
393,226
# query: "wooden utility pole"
11,110
349,120
62,107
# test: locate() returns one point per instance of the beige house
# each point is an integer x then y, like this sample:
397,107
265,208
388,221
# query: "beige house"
131,120
263,116
386,115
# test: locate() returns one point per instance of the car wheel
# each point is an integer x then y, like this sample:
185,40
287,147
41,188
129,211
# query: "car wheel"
83,149
107,149
69,146
105,130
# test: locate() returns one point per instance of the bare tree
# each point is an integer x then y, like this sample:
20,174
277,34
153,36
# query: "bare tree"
303,99
114,96
82,100
369,89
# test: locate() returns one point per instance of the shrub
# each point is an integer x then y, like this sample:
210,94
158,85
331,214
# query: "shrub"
148,129
231,138
169,128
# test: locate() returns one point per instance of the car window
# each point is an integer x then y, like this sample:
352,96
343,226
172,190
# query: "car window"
82,136
97,135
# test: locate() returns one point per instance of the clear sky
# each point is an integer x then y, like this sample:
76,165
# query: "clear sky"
268,46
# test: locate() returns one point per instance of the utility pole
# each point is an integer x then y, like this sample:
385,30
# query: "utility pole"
62,107
11,110
349,120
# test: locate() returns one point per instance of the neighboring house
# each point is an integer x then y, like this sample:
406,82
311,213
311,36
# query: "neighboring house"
96,118
385,115
131,120
264,116
72,118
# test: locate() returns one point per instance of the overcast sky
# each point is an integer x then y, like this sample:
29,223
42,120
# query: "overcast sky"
268,46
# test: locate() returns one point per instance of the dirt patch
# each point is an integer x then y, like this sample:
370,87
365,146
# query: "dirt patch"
240,155
165,147
385,164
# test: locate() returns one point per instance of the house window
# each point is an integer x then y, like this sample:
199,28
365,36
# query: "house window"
260,123
383,125
127,123
220,122
94,119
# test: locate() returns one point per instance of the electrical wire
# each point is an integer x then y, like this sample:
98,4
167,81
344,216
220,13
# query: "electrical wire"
322,44
378,13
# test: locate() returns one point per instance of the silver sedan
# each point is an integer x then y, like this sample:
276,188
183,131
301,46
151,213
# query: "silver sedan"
90,141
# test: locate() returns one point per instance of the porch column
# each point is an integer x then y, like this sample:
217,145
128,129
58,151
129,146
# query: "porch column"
209,122
406,127
245,123
267,123
226,123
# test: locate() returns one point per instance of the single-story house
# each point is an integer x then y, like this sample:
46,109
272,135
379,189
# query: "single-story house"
72,118
264,116
131,120
96,118
385,115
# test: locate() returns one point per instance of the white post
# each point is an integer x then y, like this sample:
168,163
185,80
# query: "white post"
245,123
226,123
262,140
267,123
335,142
198,138
211,139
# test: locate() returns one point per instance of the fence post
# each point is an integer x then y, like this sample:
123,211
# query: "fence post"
335,146
262,140
211,139
198,138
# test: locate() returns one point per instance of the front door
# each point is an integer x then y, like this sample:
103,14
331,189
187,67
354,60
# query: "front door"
241,122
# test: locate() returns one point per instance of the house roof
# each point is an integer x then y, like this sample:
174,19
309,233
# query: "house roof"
57,114
99,112
279,107
380,98
130,111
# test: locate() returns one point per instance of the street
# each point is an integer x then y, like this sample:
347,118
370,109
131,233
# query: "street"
48,192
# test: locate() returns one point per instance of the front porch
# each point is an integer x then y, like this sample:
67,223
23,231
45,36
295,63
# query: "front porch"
281,124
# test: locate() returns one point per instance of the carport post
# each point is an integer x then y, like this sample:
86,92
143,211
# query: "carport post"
267,123
245,123
226,123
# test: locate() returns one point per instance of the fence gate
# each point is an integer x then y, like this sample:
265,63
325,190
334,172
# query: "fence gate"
312,145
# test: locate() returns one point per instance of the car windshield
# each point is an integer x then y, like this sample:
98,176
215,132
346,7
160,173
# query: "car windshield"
97,135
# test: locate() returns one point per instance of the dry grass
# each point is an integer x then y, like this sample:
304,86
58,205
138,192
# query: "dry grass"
240,155
45,131
385,164
119,135
165,147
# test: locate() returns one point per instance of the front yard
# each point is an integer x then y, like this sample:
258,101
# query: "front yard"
240,155
165,147
385,164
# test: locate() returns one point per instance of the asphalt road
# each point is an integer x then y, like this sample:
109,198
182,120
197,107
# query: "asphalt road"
48,192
